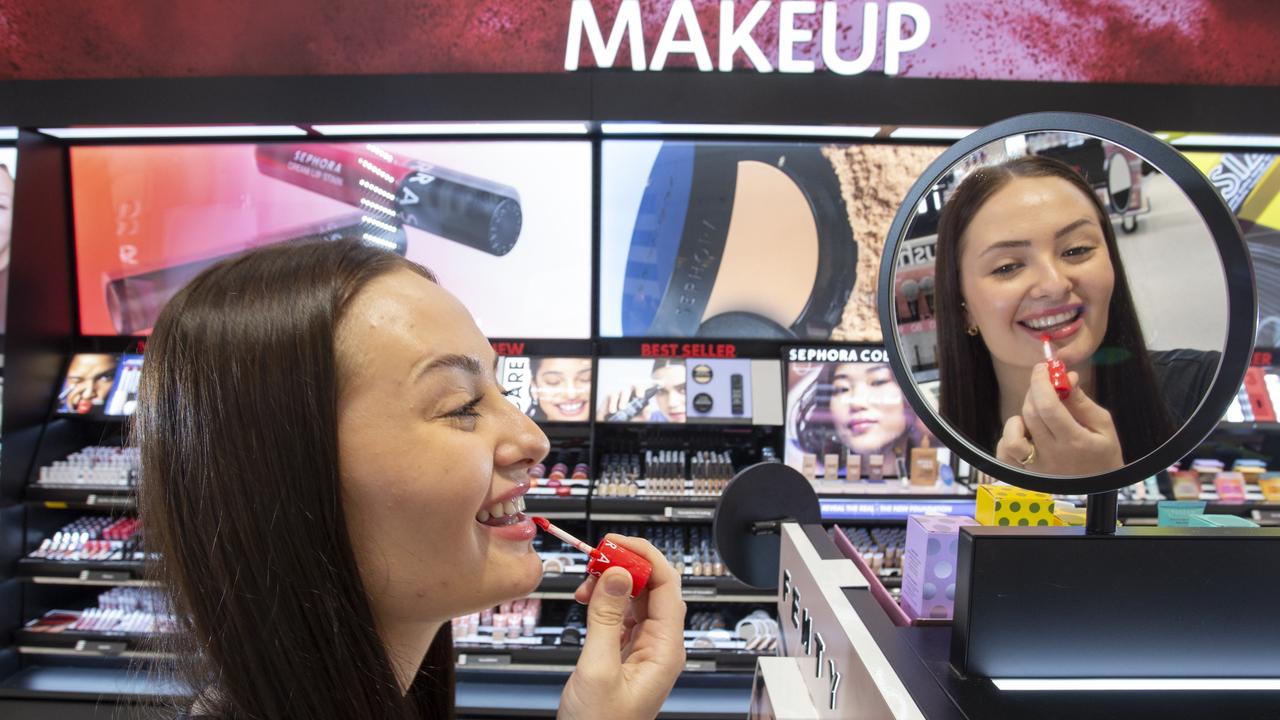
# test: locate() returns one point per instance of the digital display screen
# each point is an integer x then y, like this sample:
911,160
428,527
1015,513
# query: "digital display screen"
747,240
100,384
8,171
505,226
549,389
693,390
849,427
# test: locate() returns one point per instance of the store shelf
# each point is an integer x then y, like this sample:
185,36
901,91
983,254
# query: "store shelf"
97,573
82,497
557,658
671,508
75,643
694,589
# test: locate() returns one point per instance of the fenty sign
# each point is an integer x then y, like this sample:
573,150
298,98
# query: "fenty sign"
906,27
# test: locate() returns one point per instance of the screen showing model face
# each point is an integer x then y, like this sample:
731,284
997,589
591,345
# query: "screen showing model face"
505,226
747,240
549,389
8,171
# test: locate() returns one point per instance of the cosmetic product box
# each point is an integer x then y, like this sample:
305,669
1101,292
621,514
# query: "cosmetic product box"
1177,513
929,564
924,466
1186,484
1066,514
1219,521
1008,505
1230,487
830,467
1269,484
1255,385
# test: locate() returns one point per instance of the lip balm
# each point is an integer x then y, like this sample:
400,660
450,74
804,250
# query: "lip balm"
1057,370
604,556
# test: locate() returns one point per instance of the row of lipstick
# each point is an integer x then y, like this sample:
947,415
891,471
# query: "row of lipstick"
103,466
103,620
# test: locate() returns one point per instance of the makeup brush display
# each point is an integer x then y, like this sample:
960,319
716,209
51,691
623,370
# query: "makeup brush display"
665,473
711,627
121,610
689,549
880,547
105,467
562,473
93,538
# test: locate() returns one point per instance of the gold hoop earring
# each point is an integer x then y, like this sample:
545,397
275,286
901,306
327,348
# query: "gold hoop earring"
972,331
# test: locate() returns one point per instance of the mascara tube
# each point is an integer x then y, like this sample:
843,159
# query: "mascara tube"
475,212
134,301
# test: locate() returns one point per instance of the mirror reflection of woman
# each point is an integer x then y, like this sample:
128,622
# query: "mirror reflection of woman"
856,409
561,390
1025,250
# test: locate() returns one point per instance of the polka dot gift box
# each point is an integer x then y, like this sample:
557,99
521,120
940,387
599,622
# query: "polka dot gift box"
1008,505
929,564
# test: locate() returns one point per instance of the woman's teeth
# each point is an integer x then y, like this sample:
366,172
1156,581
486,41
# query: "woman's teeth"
1051,320
572,408
503,513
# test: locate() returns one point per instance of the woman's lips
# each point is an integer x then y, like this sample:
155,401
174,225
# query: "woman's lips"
572,408
859,426
1057,332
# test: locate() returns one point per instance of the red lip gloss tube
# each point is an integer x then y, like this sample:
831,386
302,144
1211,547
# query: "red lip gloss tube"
478,213
604,556
1057,371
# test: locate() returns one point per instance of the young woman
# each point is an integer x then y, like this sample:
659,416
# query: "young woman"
330,473
1025,249
857,408
561,389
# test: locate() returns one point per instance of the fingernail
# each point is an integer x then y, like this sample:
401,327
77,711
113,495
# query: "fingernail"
617,584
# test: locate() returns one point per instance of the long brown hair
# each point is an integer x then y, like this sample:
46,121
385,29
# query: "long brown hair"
1124,380
237,423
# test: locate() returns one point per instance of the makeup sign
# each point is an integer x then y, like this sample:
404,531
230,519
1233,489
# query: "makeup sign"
906,27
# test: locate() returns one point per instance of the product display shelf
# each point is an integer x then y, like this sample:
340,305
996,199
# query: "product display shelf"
125,573
82,497
75,643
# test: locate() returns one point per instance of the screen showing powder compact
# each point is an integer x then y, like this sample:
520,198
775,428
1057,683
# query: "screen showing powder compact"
486,217
747,240
549,389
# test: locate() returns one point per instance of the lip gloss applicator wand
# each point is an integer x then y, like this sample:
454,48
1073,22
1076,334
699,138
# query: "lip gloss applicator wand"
1057,370
604,556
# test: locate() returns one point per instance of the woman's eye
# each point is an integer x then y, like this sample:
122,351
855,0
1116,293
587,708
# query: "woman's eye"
1006,269
1079,251
468,411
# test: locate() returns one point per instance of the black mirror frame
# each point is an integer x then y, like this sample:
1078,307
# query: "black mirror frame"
1242,314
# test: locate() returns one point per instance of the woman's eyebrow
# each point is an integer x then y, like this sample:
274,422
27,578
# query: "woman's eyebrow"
1058,235
466,363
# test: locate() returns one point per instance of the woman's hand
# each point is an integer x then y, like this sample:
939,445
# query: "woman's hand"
618,400
634,649
1071,437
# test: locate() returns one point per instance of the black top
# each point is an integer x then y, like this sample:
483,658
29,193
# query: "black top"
1184,377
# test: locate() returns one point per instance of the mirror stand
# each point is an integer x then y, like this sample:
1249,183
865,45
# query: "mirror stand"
1100,513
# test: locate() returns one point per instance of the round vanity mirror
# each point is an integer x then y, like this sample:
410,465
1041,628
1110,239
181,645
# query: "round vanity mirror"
1067,302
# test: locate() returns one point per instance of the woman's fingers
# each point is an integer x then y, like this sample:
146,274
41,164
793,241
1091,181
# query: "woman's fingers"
1014,447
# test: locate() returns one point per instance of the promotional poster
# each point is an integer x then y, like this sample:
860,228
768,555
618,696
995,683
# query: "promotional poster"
849,428
748,240
505,226
548,389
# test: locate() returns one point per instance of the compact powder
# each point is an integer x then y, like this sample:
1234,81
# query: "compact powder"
770,256
873,180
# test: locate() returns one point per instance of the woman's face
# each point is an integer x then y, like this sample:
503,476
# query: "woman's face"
89,381
1034,261
563,386
427,443
6,214
671,392
867,407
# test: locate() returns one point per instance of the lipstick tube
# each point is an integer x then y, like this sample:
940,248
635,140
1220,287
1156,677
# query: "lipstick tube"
478,213
134,300
604,556
1057,371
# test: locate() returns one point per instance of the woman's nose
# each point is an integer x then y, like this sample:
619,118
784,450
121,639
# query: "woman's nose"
1051,281
523,443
